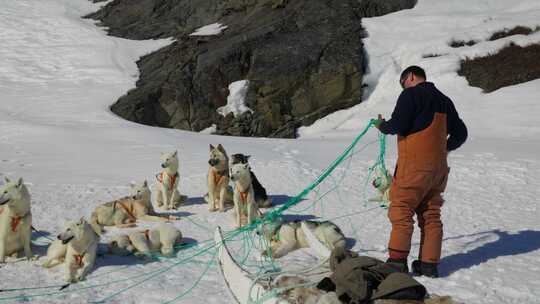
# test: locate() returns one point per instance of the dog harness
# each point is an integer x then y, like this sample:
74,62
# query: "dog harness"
217,177
15,221
129,211
147,234
172,179
79,259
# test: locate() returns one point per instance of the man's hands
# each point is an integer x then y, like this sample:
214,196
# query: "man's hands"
377,122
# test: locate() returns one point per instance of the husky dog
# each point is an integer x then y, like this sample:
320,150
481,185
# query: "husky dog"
219,192
301,293
126,211
15,219
162,238
382,183
285,237
77,247
167,195
260,193
245,205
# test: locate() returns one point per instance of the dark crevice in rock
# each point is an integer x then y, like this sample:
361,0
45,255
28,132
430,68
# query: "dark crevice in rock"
511,65
461,43
304,59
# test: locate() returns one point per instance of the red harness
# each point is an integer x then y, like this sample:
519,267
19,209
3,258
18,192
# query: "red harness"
172,179
128,211
217,177
147,234
243,196
15,221
79,259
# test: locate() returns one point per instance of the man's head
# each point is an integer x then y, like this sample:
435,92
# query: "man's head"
412,76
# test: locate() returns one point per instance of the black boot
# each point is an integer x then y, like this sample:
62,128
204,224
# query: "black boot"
425,269
400,265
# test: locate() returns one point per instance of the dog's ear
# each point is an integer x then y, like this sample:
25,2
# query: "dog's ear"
145,183
7,179
81,221
211,147
220,148
175,153
246,166
19,182
247,157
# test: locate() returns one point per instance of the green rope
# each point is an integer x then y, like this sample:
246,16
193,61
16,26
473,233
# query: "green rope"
204,247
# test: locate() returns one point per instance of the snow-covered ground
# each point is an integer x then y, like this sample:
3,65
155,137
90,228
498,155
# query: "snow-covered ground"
59,74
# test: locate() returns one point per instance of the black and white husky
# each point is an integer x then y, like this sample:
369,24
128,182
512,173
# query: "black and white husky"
260,193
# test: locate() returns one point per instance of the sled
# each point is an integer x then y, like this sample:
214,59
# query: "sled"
239,282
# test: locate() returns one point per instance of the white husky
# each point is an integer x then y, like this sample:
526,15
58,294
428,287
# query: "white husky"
245,206
77,246
219,192
285,237
167,195
382,183
15,219
124,212
162,238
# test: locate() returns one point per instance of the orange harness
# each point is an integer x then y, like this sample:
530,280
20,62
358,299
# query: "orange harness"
147,234
79,259
128,211
15,221
217,177
243,196
172,179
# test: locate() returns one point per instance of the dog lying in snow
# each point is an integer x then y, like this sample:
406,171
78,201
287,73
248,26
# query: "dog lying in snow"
163,238
126,211
301,293
15,219
245,206
219,192
77,248
285,237
167,195
260,193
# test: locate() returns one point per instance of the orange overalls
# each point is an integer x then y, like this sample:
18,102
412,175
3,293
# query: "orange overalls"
420,178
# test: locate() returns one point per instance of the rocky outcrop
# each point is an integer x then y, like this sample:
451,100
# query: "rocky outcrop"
510,66
303,59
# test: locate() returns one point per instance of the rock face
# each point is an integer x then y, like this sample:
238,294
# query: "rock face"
510,66
303,59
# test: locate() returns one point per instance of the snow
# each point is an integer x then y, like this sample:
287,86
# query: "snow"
236,99
60,73
209,30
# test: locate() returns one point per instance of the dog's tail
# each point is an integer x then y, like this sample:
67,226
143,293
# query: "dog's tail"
95,224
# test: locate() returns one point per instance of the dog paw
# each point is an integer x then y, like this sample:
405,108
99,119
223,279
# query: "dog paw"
221,209
212,209
173,218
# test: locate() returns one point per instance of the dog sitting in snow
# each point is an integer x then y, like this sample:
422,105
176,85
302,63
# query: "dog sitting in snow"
301,293
15,219
285,237
77,248
260,193
245,206
382,183
126,211
167,195
163,238
219,192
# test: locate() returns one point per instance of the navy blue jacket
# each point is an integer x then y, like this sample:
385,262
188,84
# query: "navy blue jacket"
415,109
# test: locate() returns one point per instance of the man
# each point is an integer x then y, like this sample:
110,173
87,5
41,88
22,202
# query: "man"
428,127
